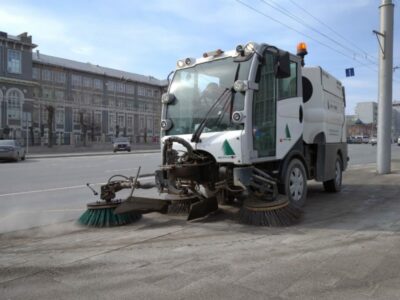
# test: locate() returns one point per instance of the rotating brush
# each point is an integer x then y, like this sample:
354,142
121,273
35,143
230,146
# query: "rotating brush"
269,213
101,214
180,207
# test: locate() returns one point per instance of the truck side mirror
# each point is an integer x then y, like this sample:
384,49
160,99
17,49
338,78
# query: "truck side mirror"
282,65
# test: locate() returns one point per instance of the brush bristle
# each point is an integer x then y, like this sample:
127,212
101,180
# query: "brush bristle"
284,216
105,217
181,207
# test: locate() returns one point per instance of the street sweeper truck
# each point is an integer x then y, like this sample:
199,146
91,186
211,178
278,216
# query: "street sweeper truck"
246,128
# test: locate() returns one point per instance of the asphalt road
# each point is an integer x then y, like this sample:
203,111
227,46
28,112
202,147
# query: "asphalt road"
52,190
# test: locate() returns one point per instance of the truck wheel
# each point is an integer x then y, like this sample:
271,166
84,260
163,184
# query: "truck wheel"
296,183
335,185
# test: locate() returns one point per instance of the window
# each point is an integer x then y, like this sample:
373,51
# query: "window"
130,89
59,76
96,100
98,84
111,86
47,94
14,61
75,115
121,121
46,75
87,99
36,73
60,116
129,122
97,118
76,80
141,91
264,106
287,87
87,82
120,87
14,104
59,95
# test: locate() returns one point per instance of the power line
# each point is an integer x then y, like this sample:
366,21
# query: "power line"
331,29
295,30
289,14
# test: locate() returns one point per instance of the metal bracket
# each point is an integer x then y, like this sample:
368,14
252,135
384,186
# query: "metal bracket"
379,41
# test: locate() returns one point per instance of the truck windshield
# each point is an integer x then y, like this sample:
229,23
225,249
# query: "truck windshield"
196,89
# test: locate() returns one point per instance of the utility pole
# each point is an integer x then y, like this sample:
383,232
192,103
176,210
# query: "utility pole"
385,39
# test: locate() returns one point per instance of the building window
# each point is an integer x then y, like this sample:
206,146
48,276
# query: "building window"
87,82
98,84
76,80
130,89
36,73
46,75
121,121
60,116
15,98
120,87
111,86
97,119
59,95
97,100
87,99
46,93
60,76
14,61
75,115
141,91
129,122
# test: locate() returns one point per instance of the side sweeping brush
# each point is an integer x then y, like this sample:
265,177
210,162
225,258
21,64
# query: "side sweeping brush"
100,214
269,213
180,207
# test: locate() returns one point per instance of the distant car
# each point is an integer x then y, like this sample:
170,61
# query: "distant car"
373,141
11,150
398,141
365,140
121,144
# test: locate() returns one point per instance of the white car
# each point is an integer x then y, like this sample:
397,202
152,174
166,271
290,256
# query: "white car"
373,141
398,141
11,150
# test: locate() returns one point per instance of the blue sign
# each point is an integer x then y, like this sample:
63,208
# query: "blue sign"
349,72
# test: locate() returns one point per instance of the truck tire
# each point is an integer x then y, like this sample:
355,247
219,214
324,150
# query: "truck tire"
296,183
335,185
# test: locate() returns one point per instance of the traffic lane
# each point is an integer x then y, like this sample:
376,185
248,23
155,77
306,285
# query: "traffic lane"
48,173
23,210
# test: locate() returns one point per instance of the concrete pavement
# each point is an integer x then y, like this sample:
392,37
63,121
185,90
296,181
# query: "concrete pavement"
347,247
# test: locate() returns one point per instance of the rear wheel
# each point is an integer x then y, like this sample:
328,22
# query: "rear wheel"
296,183
335,185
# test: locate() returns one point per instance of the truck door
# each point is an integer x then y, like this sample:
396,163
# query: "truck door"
264,111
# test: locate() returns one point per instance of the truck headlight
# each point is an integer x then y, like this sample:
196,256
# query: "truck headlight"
240,86
166,124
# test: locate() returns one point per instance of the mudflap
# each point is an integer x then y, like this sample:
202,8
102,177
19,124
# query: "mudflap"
202,208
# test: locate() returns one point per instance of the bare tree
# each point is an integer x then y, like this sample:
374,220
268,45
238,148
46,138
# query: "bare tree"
50,124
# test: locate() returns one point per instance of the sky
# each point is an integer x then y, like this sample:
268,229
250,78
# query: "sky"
148,37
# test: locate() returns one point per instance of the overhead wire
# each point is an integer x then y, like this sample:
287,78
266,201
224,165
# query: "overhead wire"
367,65
289,14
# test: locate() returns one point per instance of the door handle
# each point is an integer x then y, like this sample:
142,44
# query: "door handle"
301,114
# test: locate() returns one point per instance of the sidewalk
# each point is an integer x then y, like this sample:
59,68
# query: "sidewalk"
91,150
347,247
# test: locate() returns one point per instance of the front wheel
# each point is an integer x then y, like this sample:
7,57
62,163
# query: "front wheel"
335,185
296,183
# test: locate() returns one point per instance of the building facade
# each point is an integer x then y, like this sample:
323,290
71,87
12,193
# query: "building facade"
367,112
44,97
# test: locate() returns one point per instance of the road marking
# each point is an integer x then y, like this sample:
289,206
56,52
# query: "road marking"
62,188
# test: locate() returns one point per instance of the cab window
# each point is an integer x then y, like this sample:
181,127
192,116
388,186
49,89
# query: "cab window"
287,87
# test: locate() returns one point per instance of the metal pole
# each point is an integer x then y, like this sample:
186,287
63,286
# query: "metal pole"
385,87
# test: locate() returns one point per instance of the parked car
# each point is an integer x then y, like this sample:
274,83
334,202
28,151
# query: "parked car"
398,141
11,150
373,141
121,144
365,139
